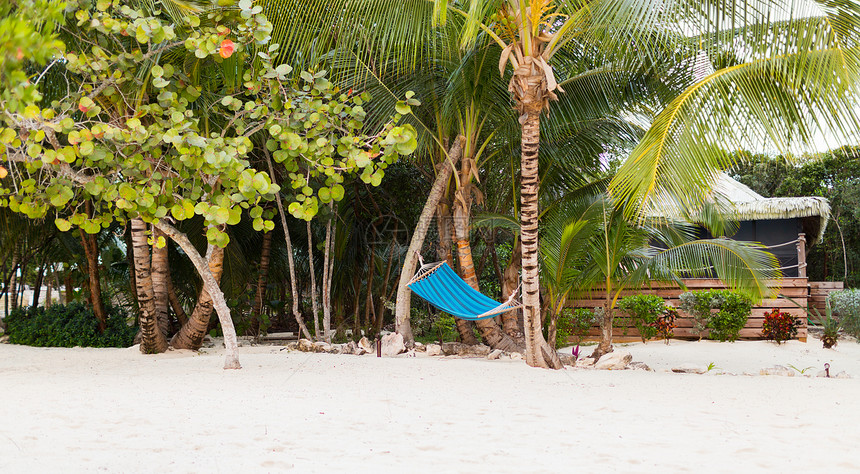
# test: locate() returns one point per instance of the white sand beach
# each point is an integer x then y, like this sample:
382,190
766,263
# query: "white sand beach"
115,410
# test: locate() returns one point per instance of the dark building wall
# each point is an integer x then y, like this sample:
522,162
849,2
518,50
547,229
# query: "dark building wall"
772,232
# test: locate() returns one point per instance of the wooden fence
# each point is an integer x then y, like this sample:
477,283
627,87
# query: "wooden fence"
795,288
818,292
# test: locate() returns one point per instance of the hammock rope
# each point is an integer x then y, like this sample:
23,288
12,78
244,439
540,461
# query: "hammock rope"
440,286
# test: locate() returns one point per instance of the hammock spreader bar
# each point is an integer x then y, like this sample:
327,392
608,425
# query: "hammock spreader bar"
443,288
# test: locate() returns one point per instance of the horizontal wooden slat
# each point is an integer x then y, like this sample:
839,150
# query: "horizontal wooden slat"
830,285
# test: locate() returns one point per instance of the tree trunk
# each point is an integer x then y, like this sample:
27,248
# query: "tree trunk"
605,344
490,331
538,352
314,306
152,339
445,224
12,288
328,261
49,289
257,313
37,288
70,292
210,284
190,335
178,310
160,271
404,296
129,255
290,261
510,283
91,250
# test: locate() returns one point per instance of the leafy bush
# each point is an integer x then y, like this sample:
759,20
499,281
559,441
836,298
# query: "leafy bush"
733,310
779,326
68,326
846,309
644,310
573,323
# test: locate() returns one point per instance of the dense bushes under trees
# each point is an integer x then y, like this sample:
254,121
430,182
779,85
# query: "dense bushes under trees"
68,326
725,324
845,305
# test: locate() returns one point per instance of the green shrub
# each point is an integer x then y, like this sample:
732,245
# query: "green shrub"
68,326
644,311
725,324
846,309
779,326
573,323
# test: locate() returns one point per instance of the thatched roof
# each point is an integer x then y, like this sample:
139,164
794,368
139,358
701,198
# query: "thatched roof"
813,211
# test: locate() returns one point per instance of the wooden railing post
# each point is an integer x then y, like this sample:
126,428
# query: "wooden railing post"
801,255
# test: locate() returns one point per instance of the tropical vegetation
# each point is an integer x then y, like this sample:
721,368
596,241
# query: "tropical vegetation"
284,163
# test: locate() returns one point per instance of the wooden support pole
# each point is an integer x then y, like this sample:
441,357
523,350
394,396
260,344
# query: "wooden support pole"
801,255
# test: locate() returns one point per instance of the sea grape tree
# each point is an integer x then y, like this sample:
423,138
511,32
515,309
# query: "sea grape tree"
151,117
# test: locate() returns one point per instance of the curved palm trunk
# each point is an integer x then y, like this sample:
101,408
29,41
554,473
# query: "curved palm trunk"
160,271
254,326
531,96
178,310
152,339
190,336
210,284
404,296
490,331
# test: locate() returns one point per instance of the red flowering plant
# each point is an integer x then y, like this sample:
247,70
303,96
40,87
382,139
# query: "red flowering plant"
779,326
666,323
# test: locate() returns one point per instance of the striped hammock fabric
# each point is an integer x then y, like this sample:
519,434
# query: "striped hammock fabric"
443,288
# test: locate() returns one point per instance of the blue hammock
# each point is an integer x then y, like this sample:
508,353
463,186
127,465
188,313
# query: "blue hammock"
440,286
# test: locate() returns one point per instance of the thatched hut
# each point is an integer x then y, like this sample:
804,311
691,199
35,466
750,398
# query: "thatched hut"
787,225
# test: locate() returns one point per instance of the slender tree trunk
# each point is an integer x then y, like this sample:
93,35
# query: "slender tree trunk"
49,293
12,291
552,328
210,284
92,253
257,313
129,255
326,289
605,344
290,260
368,300
190,335
314,306
160,271
404,296
510,283
178,310
538,352
465,328
37,288
490,331
152,339
70,291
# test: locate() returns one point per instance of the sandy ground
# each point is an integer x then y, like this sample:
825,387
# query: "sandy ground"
115,410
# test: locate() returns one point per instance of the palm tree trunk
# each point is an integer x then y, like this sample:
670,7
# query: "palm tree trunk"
160,271
404,296
538,352
190,335
152,339
605,344
490,331
446,235
290,260
210,284
510,283
257,313
129,255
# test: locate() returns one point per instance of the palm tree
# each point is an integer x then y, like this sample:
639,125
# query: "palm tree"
780,72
